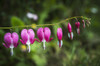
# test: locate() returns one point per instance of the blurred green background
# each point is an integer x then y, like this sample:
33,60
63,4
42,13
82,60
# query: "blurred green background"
83,50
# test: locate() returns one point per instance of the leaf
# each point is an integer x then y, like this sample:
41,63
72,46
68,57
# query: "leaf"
15,21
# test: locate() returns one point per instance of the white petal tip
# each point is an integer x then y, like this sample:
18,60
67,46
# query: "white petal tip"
28,48
72,35
28,51
61,43
69,35
44,48
11,54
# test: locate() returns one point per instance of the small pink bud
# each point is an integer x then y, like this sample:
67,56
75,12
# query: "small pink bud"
83,23
11,41
59,35
77,24
70,34
69,27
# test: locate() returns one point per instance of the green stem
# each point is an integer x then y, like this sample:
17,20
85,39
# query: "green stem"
63,21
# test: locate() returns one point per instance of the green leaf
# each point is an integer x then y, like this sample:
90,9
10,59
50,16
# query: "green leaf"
15,21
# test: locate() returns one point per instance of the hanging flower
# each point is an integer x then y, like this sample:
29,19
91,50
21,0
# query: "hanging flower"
77,24
44,35
70,34
27,37
11,41
83,23
59,35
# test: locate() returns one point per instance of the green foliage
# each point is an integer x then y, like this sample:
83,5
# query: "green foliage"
84,50
40,61
15,21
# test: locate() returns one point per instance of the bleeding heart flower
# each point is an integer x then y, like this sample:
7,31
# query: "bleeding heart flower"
83,23
70,34
44,35
11,41
27,37
77,24
59,35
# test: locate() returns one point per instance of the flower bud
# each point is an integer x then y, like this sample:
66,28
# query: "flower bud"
59,35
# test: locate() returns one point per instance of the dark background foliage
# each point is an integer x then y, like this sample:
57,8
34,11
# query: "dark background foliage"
83,50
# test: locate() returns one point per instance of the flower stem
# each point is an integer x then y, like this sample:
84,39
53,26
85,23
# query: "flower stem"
63,21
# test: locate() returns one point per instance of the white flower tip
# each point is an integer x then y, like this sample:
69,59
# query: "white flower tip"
72,34
60,43
28,49
11,52
78,31
69,35
44,44
44,48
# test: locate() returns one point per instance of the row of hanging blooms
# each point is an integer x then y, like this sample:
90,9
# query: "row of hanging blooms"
28,36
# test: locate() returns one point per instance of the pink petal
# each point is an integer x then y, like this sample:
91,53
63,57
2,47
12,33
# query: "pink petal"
69,27
31,35
50,39
77,24
24,35
16,45
15,38
7,39
40,34
47,33
22,41
59,33
5,45
37,40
